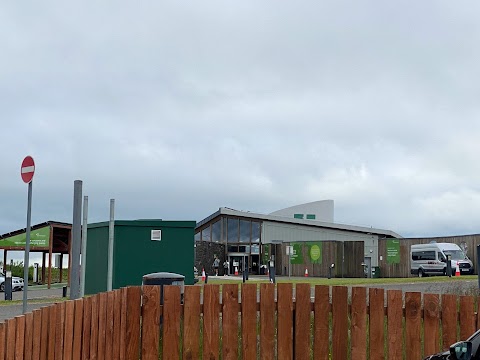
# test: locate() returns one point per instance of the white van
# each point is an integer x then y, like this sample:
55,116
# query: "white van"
431,259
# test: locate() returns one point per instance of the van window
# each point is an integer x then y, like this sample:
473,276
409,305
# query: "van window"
455,254
424,255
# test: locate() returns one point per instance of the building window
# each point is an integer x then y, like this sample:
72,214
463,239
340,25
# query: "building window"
224,229
231,248
255,232
310,216
232,229
216,231
298,216
244,249
245,230
197,236
206,234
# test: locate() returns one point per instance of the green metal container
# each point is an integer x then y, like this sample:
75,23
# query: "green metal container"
135,254
375,272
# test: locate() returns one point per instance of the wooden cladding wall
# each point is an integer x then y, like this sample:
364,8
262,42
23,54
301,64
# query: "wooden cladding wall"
347,257
242,322
353,259
402,269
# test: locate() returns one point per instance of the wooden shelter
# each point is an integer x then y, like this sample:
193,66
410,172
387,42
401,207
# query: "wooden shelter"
50,238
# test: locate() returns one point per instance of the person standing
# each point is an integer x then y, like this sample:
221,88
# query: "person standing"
216,263
225,268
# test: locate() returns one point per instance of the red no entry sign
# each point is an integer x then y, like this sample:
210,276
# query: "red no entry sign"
27,169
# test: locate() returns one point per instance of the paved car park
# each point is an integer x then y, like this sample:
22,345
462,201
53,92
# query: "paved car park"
40,296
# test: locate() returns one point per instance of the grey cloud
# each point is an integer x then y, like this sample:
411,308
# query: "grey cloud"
178,109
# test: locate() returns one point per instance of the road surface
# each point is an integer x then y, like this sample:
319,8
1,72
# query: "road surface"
47,296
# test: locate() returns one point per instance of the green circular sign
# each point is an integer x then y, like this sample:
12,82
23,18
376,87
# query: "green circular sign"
315,252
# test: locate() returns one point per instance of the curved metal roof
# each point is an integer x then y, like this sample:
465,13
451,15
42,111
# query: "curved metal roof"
313,223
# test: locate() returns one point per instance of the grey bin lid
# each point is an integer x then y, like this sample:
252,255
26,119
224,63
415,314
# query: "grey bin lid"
164,275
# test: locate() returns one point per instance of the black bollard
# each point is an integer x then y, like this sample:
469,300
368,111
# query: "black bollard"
206,278
330,268
8,286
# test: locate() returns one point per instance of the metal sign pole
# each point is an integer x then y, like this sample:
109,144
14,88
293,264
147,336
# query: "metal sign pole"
478,263
111,239
289,264
76,240
83,254
27,248
289,253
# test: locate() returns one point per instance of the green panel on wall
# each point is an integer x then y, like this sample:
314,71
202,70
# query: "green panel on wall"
266,253
393,251
96,260
297,257
315,252
174,253
298,216
310,216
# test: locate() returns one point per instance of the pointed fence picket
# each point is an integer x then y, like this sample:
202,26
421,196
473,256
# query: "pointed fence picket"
285,320
191,323
249,321
267,321
230,322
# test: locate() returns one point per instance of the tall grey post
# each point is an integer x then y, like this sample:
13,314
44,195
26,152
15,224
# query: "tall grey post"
289,253
27,248
111,230
76,240
84,246
478,264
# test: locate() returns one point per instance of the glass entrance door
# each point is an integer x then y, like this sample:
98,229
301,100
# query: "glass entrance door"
237,262
255,268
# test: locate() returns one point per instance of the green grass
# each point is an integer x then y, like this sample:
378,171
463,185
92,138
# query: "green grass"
345,281
44,287
33,301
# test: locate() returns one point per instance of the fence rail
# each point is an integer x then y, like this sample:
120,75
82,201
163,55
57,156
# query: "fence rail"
243,322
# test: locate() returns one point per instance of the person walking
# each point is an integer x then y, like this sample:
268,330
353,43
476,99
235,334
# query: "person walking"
216,263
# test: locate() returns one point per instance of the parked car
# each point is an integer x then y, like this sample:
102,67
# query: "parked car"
463,350
17,283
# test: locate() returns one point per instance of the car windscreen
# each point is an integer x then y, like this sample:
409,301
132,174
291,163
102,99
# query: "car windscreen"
455,254
475,339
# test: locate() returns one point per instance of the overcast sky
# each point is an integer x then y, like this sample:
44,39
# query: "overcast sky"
178,108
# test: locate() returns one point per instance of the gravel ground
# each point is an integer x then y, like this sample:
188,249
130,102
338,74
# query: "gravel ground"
467,287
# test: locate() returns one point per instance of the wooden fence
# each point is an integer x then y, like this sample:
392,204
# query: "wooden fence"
232,324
